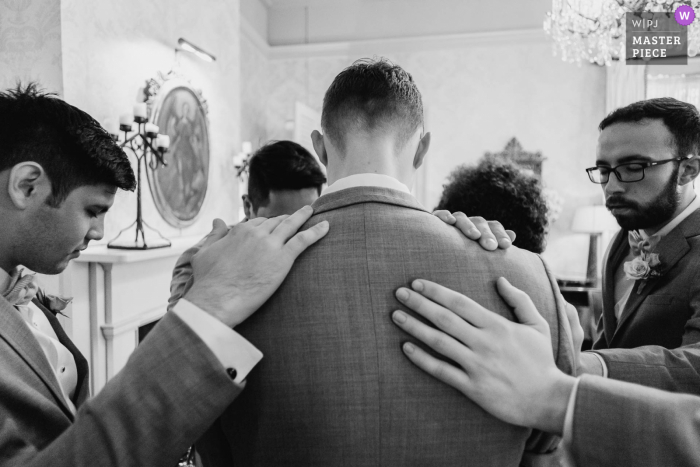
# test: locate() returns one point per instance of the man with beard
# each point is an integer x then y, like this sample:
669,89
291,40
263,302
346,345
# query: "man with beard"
647,161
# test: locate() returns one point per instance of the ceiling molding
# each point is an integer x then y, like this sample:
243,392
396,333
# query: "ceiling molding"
408,44
396,45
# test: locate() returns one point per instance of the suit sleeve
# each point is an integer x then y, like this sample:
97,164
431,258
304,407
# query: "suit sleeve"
168,394
618,423
676,370
182,275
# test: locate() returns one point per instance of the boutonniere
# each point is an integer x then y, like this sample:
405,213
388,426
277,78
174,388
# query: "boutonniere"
53,303
643,267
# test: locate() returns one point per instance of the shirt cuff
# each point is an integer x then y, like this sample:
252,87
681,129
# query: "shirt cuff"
602,363
568,435
229,347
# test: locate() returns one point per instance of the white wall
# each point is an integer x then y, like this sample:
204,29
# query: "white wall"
30,44
111,48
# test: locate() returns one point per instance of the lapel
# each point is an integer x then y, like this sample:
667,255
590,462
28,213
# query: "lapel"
365,194
671,249
15,331
82,387
618,251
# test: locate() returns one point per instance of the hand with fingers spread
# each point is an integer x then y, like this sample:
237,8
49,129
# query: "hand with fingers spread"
505,367
237,270
490,234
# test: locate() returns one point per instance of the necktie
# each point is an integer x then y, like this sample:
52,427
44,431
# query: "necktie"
639,244
21,290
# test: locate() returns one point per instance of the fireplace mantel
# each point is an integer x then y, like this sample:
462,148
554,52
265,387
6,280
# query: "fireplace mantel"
114,293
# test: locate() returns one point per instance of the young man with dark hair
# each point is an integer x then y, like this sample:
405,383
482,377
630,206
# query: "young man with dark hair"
497,190
335,389
647,163
282,177
59,173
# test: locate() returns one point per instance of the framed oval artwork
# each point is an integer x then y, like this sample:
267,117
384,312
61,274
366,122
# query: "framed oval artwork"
180,187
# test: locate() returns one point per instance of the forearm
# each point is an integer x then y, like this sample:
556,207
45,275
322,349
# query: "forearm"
168,394
676,370
612,421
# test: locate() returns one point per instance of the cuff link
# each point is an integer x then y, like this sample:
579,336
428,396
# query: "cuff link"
232,373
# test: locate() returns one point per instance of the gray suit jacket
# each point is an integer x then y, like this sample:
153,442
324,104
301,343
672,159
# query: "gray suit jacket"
334,388
662,314
620,424
170,391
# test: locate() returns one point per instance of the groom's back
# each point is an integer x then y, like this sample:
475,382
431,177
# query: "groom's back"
334,387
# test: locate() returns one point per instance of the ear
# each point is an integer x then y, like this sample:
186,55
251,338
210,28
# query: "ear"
27,183
248,207
422,150
319,146
689,170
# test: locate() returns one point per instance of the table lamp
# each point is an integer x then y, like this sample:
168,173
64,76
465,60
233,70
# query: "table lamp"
593,220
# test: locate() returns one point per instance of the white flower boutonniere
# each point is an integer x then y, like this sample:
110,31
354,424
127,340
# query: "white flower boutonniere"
643,267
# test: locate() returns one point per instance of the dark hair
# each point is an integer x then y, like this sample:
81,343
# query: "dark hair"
681,119
73,149
500,191
369,94
282,165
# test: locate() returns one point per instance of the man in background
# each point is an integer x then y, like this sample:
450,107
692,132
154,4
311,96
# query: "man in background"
500,190
283,177
334,388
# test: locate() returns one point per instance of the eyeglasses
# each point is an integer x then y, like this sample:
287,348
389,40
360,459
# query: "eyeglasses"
627,173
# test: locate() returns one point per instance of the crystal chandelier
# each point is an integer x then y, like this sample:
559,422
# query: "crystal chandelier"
594,30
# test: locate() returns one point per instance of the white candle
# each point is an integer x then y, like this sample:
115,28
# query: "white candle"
126,119
151,128
247,147
140,110
163,141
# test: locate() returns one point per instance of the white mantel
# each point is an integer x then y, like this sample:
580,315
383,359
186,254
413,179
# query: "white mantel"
114,293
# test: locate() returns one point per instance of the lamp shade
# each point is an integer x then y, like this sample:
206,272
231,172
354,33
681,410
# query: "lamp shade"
593,219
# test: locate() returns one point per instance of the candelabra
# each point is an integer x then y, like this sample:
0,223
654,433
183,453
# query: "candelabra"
149,149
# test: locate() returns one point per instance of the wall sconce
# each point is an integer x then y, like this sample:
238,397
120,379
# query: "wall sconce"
198,51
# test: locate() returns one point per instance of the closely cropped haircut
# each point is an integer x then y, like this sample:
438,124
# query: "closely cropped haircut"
368,95
502,192
69,144
282,165
681,119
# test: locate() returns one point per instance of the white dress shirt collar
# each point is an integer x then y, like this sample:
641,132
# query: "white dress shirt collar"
366,179
691,208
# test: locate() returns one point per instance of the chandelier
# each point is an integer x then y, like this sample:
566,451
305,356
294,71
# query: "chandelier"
594,30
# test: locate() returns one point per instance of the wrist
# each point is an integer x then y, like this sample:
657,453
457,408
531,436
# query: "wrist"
211,303
551,413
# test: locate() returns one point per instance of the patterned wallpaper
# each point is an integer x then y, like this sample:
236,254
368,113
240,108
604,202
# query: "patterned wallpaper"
109,50
476,98
30,43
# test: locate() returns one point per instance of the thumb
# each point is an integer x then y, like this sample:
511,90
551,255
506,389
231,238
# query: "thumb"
522,305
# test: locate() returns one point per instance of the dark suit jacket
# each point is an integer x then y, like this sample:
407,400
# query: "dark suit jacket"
169,392
620,424
662,313
334,388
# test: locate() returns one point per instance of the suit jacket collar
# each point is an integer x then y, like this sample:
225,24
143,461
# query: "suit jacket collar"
365,194
15,331
671,248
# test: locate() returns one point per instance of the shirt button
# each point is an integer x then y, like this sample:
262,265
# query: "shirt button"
232,373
